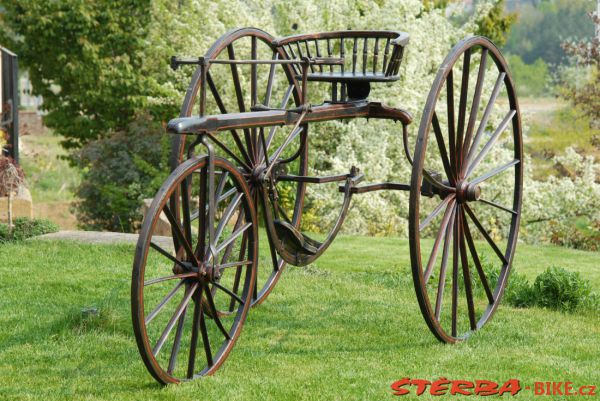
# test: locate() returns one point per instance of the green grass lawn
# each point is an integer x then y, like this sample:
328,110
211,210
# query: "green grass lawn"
342,329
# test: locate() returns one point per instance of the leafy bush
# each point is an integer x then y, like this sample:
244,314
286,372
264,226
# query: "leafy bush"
518,292
26,228
118,173
555,288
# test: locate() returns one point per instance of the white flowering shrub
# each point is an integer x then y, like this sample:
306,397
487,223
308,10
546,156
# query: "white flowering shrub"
375,146
552,207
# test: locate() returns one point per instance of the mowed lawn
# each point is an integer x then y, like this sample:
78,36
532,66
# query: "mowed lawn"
344,328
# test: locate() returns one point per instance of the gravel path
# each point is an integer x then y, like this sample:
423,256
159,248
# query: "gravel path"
102,237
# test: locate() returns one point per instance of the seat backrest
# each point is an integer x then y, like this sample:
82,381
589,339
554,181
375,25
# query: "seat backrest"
372,55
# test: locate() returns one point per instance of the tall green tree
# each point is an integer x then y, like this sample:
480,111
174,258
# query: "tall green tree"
84,59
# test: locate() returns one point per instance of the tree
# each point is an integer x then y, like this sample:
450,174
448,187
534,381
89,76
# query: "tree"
580,84
540,30
495,24
84,59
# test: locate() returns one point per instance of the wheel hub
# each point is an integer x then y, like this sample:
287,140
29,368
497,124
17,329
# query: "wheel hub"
467,192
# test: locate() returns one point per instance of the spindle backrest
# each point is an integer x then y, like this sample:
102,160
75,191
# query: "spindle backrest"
371,56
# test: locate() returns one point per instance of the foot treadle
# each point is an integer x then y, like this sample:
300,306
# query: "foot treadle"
293,240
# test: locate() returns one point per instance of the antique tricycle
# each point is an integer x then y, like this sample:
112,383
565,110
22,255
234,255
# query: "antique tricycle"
196,270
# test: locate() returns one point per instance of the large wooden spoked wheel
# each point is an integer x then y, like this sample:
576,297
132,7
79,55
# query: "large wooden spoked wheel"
237,88
465,199
192,281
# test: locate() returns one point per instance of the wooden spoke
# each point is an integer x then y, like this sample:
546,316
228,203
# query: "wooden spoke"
205,339
488,146
451,123
270,80
475,104
476,260
436,245
176,342
274,258
182,306
494,204
264,149
229,292
494,172
163,302
234,264
202,215
233,237
221,185
455,238
194,336
240,97
228,214
173,277
253,73
445,253
238,272
167,255
223,110
229,247
253,93
466,274
177,231
215,314
185,209
229,152
284,102
462,108
438,209
293,135
442,148
485,234
226,195
486,116
236,284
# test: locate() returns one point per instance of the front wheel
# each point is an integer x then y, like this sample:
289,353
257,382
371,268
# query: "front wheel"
194,270
466,185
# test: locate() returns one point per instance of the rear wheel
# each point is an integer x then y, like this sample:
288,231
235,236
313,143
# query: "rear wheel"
466,186
239,88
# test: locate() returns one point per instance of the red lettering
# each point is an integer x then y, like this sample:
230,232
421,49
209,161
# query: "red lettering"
421,385
568,388
512,386
556,388
460,386
485,387
538,388
439,387
591,388
397,386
